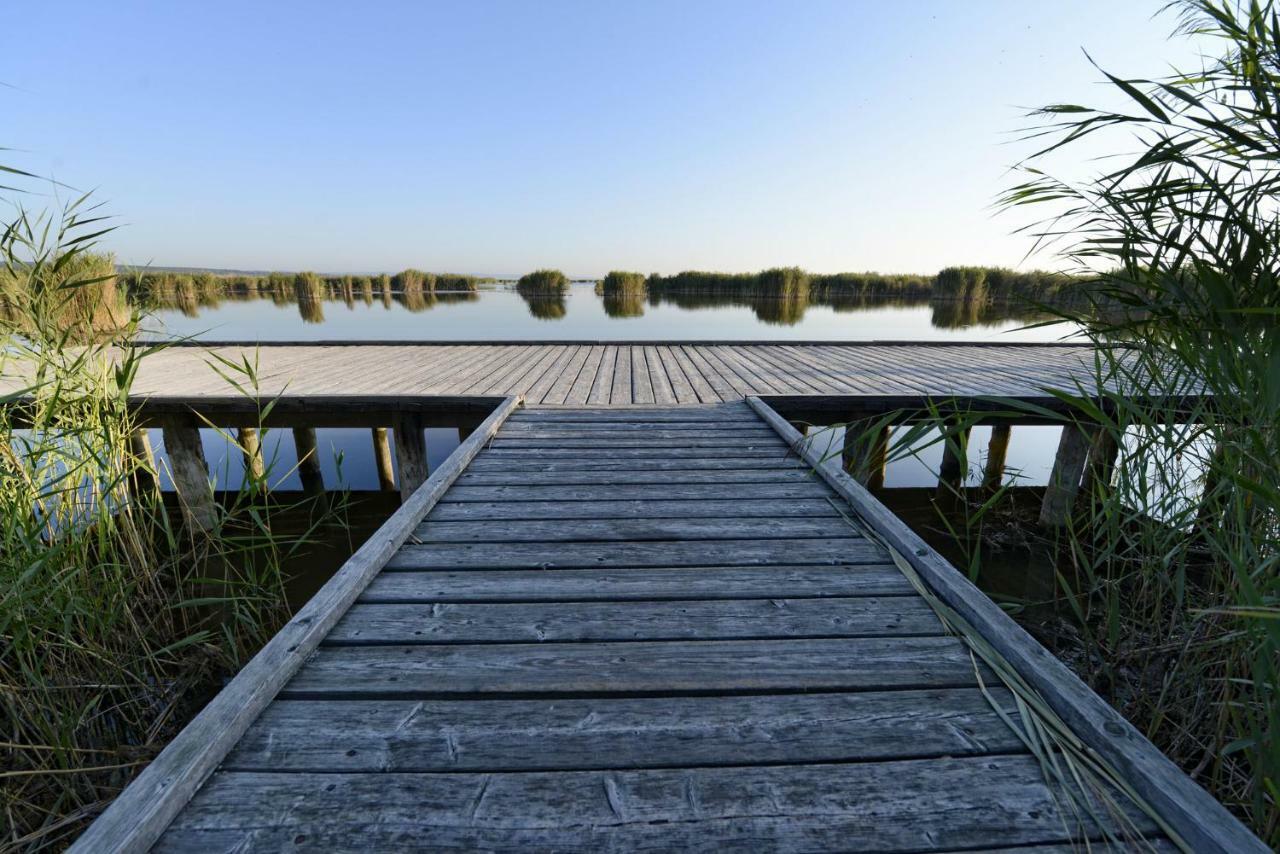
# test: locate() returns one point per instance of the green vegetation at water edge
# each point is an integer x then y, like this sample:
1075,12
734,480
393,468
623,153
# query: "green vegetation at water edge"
117,620
543,282
623,294
1166,577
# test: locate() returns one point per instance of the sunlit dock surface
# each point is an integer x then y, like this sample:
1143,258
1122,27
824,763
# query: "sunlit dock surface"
623,374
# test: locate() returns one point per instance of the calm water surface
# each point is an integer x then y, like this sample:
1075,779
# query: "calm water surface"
581,315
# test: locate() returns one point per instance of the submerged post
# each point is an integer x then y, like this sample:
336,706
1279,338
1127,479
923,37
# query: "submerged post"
951,472
411,452
382,458
997,452
1064,480
1101,463
304,439
190,472
867,468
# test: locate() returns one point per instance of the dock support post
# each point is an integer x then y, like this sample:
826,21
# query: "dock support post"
382,457
1103,451
411,453
997,453
955,462
250,443
1064,480
190,472
867,469
304,439
144,472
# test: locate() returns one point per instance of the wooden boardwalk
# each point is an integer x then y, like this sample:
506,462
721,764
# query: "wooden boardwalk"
601,626
624,374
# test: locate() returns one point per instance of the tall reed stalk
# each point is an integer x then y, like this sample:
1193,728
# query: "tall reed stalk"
1170,568
116,622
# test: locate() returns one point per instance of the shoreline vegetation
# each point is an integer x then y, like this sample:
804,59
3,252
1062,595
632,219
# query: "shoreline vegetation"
959,296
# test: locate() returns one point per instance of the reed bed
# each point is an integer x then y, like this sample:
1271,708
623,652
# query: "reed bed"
1168,574
623,293
117,621
542,282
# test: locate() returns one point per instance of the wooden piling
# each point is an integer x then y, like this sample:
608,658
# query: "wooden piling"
1103,451
867,468
1064,480
189,471
411,453
304,439
955,465
251,444
144,472
997,452
382,458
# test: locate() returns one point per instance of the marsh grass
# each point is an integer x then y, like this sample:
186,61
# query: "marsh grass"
542,283
1169,570
117,622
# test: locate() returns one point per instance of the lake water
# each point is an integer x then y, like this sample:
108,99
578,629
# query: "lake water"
582,315
502,314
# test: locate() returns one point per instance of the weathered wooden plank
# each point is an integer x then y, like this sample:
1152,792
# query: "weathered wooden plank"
634,478
632,530
638,414
750,508
845,664
555,372
686,619
620,385
602,384
608,491
621,732
849,551
563,384
1186,808
906,805
135,819
541,428
635,448
587,585
641,380
581,387
534,462
689,440
669,383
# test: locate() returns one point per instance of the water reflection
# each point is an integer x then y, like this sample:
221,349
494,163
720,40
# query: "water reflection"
374,308
546,306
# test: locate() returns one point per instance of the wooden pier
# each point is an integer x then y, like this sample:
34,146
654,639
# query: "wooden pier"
605,627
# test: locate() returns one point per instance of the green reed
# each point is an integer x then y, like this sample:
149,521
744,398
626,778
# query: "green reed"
117,622
543,282
1169,569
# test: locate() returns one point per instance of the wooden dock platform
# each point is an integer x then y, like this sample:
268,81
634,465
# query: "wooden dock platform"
622,374
682,631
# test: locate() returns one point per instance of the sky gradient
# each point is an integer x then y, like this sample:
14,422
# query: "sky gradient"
496,138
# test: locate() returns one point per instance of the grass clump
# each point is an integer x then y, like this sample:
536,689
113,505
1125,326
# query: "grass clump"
1168,573
117,621
623,294
541,282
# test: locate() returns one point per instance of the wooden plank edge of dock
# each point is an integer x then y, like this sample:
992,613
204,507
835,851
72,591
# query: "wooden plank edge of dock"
140,814
1183,806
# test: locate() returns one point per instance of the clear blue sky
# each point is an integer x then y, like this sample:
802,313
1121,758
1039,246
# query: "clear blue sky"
499,137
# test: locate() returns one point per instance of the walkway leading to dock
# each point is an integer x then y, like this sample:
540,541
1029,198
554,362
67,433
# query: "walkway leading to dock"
611,628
